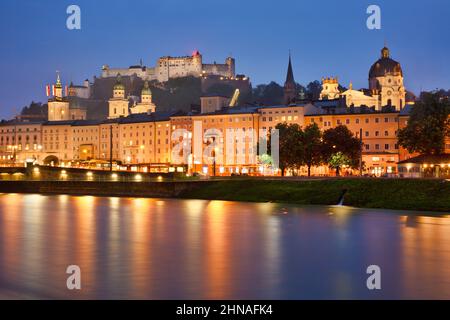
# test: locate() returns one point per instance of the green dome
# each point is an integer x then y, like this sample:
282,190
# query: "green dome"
119,85
146,90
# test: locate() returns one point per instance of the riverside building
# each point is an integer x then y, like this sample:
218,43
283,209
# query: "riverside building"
219,140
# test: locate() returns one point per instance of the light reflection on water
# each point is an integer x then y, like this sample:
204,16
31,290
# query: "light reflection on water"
195,249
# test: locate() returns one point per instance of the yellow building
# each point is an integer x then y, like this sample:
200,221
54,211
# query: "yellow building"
20,142
59,108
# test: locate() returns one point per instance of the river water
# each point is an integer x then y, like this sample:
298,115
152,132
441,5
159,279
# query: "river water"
196,249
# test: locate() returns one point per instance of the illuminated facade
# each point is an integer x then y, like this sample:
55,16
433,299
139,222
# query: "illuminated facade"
386,86
59,108
175,67
221,139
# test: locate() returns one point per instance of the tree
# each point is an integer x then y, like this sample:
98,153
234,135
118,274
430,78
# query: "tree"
428,125
311,144
341,139
290,151
221,90
270,94
337,160
313,90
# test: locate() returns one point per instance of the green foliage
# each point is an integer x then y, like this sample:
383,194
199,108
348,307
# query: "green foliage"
35,109
268,94
291,153
311,145
313,90
428,125
341,139
337,161
221,90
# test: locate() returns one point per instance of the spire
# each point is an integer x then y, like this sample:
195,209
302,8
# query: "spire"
290,74
290,88
385,52
58,80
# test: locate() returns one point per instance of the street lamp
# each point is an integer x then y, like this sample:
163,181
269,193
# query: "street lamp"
214,161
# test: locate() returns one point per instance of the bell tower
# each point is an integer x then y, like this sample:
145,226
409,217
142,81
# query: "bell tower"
58,105
290,88
118,105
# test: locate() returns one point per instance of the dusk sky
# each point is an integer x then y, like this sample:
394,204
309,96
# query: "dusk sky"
326,38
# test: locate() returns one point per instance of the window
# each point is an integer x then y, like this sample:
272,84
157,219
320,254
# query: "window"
386,146
377,120
367,133
377,133
377,147
386,133
367,120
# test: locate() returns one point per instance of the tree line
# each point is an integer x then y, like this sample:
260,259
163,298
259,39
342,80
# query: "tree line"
336,147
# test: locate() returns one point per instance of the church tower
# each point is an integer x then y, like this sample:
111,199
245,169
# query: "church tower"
330,89
118,105
386,81
290,88
58,106
146,105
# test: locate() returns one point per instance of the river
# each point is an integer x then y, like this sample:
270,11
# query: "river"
137,248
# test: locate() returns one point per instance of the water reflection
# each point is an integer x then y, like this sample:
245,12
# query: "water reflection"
194,249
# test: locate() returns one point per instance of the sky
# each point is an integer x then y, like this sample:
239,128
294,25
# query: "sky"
326,38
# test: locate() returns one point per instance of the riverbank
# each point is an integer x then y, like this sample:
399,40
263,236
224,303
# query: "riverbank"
401,194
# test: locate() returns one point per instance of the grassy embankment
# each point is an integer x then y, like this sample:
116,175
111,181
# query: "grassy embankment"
403,194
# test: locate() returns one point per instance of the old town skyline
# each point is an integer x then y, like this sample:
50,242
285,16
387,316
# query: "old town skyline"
80,54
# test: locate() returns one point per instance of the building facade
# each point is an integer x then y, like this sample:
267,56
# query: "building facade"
220,139
59,108
386,87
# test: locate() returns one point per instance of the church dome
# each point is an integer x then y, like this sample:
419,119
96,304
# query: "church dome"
385,66
119,85
146,90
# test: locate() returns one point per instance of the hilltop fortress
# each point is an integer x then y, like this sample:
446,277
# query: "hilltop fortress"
175,67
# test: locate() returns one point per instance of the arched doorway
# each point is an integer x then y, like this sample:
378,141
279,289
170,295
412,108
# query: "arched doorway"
51,161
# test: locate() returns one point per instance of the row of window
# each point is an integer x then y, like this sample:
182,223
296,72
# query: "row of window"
19,138
277,112
357,121
387,146
18,130
283,119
